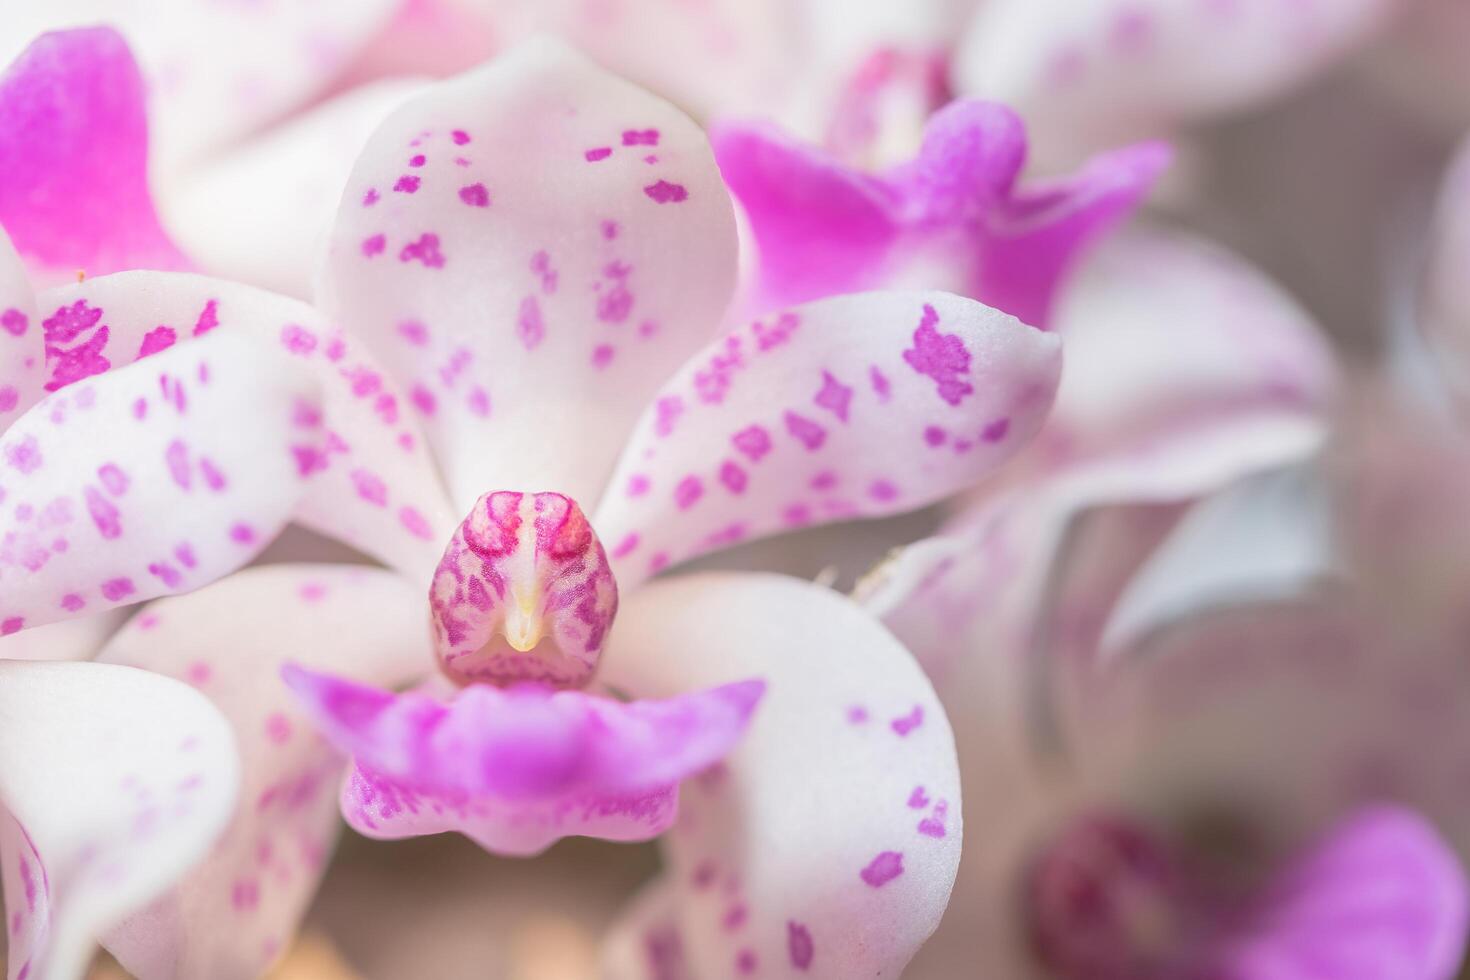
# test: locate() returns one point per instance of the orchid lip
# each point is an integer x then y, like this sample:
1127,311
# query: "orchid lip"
523,593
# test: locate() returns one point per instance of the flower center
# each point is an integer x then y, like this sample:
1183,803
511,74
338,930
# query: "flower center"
523,593
1106,901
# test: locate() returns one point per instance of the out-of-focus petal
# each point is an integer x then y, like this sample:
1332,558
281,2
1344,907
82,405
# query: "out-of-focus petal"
532,248
262,212
517,769
22,349
708,56
234,912
1379,895
378,489
1092,73
217,71
143,482
856,406
954,218
827,843
114,782
646,942
1169,336
74,158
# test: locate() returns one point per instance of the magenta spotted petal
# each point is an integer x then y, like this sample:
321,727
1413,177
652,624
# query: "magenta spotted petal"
1381,895
236,910
531,249
856,406
517,769
142,482
955,218
74,155
375,485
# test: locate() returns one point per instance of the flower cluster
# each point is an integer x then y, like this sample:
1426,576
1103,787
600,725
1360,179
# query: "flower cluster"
412,414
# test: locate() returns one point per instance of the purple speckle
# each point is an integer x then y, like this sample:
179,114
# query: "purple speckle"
425,250
598,153
753,441
808,433
417,160
834,396
799,945
934,436
374,245
664,192
933,826
996,431
883,491
117,589
907,723
882,869
918,799
370,197
640,137
407,184
529,325
475,195
11,624
940,356
857,715
460,137
688,492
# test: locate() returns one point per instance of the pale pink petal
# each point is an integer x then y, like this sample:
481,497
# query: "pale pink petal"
1169,336
828,842
1091,73
709,56
218,71
646,942
74,158
856,406
517,769
425,37
234,912
144,482
22,350
532,248
114,782
374,486
71,639
1379,895
954,218
262,212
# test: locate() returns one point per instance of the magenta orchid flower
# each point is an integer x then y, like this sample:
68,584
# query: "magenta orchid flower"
956,217
522,261
1093,73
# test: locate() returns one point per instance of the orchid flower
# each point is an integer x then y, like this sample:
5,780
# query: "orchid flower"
522,261
1092,73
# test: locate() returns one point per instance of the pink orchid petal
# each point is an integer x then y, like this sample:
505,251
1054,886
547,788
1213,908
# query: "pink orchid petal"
218,71
1168,336
518,769
376,489
856,406
530,301
829,839
148,775
1380,895
142,482
261,213
237,909
1093,73
646,942
22,349
952,219
74,158
425,37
